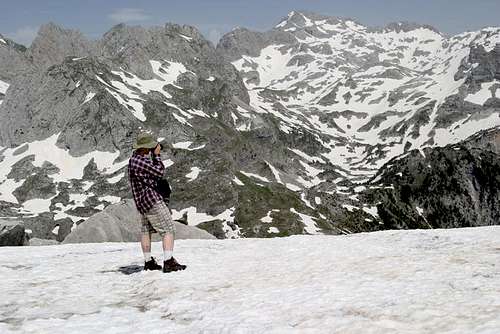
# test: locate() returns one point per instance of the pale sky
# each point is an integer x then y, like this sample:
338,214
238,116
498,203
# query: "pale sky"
21,19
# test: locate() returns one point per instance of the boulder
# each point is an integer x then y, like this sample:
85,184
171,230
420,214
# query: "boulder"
12,233
121,223
43,242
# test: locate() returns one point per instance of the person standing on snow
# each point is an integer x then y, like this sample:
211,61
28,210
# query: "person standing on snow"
145,168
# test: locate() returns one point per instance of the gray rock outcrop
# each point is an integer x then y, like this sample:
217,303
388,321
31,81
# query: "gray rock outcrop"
12,233
121,223
42,242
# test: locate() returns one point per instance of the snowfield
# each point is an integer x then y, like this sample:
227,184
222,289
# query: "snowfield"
435,281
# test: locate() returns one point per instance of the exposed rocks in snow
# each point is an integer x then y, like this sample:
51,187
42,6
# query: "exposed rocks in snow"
12,233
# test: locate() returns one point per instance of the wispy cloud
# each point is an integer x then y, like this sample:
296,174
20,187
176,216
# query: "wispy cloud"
214,31
24,35
214,36
129,15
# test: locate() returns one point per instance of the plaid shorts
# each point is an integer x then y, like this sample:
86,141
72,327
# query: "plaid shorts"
158,220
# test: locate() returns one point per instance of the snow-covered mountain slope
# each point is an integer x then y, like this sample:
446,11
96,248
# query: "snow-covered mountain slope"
444,281
366,94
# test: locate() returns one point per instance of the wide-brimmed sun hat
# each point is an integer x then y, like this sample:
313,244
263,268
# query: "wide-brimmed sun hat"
144,140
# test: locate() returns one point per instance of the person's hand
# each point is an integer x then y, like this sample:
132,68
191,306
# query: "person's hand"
157,150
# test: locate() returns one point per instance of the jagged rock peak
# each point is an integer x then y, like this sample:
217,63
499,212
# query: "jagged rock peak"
299,16
13,62
52,31
184,30
124,34
134,46
302,19
7,42
53,43
51,28
137,32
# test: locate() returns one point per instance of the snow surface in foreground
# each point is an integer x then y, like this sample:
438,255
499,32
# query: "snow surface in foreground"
440,281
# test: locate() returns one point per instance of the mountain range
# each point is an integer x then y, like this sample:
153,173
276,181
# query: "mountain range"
320,125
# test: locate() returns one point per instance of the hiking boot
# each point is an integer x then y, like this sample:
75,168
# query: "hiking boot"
151,265
172,265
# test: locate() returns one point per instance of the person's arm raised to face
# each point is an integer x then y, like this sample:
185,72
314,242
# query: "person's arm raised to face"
157,158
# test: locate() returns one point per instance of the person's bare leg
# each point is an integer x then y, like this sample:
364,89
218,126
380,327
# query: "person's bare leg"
168,246
146,246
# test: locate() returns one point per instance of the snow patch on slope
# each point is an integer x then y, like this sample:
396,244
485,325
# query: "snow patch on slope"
310,224
3,87
126,91
193,175
46,150
484,93
89,97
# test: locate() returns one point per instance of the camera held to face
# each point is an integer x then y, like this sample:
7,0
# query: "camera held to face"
161,148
